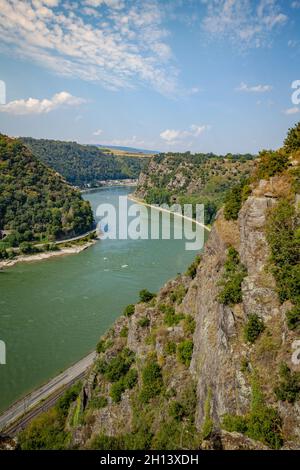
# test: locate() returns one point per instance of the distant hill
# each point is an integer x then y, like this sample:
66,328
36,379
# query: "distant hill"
84,165
36,203
129,149
192,178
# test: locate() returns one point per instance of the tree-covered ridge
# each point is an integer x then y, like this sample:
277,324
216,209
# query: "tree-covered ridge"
84,165
192,178
35,202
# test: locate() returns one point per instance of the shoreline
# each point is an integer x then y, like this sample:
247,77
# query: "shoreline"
161,209
45,255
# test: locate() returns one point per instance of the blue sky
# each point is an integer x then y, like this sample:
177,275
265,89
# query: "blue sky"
199,75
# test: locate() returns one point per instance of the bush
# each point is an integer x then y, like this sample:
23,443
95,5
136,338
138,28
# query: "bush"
170,317
98,402
292,141
189,325
234,199
185,351
124,332
234,273
293,318
152,382
192,269
271,163
118,366
178,294
253,328
282,236
126,382
103,442
234,423
63,404
26,248
146,296
144,322
176,410
170,348
3,253
129,310
102,346
263,423
289,387
44,432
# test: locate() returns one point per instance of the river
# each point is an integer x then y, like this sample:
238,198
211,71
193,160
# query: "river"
53,312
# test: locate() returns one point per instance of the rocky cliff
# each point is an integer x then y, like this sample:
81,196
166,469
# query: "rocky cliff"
211,361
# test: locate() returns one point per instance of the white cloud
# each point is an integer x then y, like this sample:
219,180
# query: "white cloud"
172,136
129,142
128,49
243,22
36,106
98,132
254,89
295,4
290,111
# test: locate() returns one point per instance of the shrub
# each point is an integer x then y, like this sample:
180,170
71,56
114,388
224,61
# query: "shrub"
176,410
170,348
189,325
170,318
118,366
129,310
116,391
253,328
293,318
146,296
292,141
67,398
103,442
185,351
144,322
271,163
192,269
289,387
178,294
3,253
126,382
152,382
102,346
124,332
234,423
234,199
262,423
98,402
234,273
26,248
44,432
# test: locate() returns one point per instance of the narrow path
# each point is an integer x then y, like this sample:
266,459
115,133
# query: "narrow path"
24,410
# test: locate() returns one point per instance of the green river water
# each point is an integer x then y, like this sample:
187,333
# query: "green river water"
53,312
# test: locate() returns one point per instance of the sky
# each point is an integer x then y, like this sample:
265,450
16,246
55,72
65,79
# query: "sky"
167,75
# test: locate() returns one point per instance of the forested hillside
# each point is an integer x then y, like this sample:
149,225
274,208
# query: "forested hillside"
35,202
84,165
192,178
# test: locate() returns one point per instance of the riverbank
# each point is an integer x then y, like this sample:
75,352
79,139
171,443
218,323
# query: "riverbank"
162,209
46,254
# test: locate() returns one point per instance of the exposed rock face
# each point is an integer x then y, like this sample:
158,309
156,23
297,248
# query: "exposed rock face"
218,342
